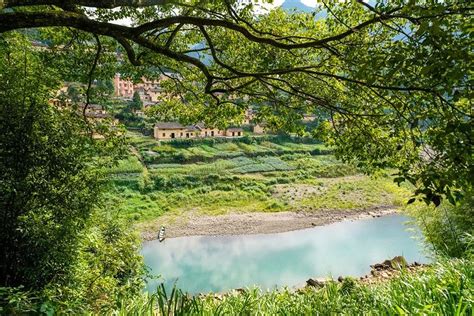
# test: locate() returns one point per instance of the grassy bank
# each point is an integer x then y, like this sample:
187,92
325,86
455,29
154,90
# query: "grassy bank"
446,288
293,178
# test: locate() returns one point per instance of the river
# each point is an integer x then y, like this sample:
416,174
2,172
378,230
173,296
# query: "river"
200,264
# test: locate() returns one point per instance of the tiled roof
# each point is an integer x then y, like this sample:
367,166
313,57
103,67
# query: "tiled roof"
97,115
169,125
234,129
91,106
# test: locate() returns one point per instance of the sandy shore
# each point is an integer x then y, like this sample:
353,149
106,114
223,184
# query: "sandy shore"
259,223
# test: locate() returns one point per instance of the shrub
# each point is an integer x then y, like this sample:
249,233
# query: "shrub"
446,227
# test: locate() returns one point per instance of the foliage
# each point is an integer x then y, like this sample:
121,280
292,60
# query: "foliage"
109,268
57,252
48,184
136,104
277,139
129,165
446,288
390,80
284,176
447,228
212,149
107,271
390,83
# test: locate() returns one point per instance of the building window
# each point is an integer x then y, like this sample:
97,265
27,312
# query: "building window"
212,133
164,134
205,133
187,135
238,133
181,134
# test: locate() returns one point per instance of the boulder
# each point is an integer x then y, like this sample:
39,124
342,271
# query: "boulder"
396,263
317,282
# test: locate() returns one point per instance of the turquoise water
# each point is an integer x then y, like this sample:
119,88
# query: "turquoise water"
212,264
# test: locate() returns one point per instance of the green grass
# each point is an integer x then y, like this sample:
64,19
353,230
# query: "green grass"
289,178
206,150
446,288
129,165
216,195
352,193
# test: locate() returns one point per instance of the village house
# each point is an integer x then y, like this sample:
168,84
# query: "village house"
234,132
209,131
175,130
97,113
249,116
259,128
149,90
308,118
92,109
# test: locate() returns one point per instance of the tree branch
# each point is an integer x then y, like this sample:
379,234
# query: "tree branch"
102,4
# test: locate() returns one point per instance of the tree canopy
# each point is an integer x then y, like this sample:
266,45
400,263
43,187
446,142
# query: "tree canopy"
390,81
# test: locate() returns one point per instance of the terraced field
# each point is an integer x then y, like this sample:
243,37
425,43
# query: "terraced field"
240,176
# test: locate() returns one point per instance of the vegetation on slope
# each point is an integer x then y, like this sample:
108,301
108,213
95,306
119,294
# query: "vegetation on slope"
294,178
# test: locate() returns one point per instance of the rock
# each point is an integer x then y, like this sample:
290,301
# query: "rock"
317,282
397,263
340,278
314,224
416,264
240,290
380,266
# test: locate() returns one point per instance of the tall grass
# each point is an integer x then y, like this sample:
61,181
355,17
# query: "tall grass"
446,288
129,165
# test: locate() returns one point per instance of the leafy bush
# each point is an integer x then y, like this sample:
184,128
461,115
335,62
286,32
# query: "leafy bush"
449,229
107,270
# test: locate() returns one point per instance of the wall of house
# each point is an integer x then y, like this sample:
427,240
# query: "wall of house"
234,133
258,129
211,132
173,133
123,88
148,90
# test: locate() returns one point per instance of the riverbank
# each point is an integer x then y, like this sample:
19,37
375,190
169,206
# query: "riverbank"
256,223
380,273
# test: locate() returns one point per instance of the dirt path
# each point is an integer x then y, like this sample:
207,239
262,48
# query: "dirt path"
258,223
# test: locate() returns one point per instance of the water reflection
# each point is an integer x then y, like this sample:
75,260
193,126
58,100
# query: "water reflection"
203,264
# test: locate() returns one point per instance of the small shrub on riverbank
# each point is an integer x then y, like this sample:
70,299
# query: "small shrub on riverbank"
449,229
